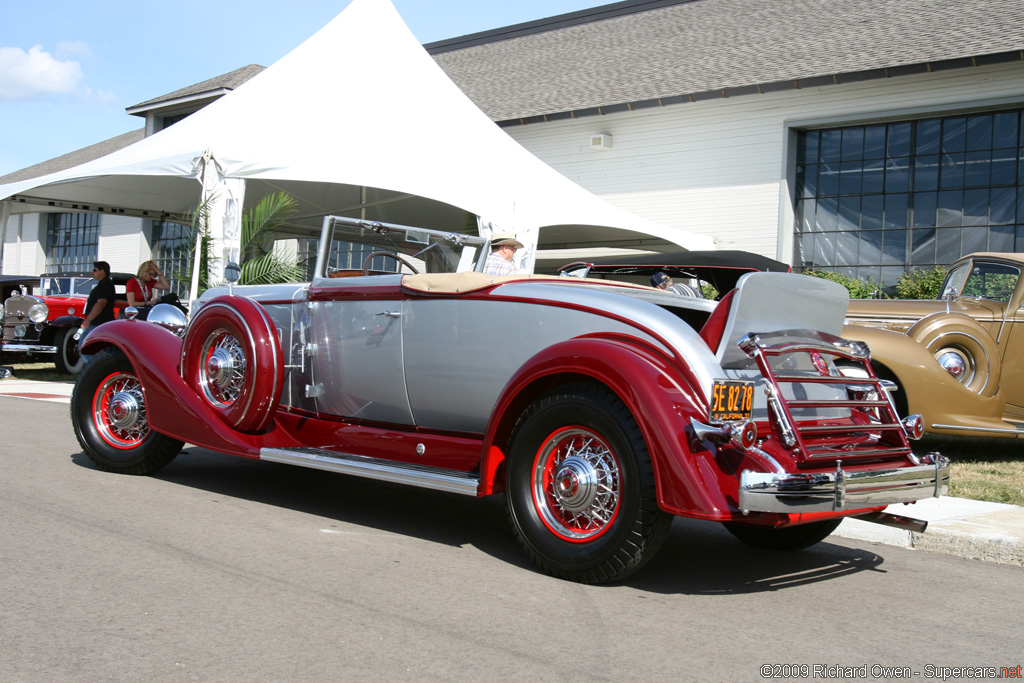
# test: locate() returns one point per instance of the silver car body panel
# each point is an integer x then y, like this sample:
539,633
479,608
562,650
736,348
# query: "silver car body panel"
441,361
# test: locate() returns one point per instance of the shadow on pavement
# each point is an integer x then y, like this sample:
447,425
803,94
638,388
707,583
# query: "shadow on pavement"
699,558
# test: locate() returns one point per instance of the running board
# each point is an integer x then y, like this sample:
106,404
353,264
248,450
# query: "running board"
435,478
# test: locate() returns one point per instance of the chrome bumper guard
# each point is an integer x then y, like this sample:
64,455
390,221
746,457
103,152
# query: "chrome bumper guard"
29,348
842,490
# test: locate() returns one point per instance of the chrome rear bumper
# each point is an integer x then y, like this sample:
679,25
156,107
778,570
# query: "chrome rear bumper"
29,348
841,490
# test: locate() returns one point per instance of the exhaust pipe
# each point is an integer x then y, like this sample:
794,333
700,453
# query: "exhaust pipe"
897,521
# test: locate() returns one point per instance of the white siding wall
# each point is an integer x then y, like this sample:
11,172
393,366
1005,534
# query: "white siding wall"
122,243
24,240
720,167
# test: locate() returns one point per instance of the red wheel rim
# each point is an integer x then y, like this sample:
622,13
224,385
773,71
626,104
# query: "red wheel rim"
577,484
119,411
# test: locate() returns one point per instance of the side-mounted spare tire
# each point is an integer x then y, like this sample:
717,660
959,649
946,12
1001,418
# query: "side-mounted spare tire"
958,341
232,355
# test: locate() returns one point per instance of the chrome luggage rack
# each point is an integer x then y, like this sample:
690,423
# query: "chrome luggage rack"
873,430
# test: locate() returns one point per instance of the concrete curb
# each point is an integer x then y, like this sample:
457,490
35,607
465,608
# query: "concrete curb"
972,529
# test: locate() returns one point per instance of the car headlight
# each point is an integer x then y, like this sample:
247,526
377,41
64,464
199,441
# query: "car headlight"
20,330
37,312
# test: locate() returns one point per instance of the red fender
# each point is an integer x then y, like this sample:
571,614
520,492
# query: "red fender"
659,394
174,407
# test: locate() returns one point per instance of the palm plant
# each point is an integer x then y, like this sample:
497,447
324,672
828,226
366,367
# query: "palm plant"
261,264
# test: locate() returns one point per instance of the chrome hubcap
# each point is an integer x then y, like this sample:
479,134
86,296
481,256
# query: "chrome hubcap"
954,362
119,411
576,484
124,410
222,374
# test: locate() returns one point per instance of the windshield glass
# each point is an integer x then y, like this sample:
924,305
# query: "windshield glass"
371,248
66,286
995,281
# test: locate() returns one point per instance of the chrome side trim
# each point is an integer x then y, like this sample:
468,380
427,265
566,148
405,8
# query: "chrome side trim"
374,468
995,430
841,489
29,348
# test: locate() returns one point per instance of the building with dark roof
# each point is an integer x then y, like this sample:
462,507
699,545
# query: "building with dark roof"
867,137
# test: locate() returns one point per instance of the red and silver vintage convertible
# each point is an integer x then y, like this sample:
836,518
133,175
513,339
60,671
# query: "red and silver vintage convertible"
600,409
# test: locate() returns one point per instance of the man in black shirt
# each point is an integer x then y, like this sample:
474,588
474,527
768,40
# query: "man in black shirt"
99,308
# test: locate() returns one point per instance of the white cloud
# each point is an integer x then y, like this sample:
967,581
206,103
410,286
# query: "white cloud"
36,73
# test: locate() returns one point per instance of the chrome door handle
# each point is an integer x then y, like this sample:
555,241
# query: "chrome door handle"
390,314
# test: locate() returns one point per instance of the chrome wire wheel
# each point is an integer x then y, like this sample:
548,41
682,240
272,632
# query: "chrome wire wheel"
577,484
119,411
223,368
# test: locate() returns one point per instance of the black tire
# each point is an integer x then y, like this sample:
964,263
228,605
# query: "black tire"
580,487
785,538
68,359
108,414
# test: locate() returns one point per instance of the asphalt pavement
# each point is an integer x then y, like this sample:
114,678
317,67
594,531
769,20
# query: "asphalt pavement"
972,529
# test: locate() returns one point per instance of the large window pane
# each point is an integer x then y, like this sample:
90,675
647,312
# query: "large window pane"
898,143
874,142
894,247
911,193
950,213
897,175
895,211
1003,206
1004,130
870,247
947,245
954,135
871,208
873,178
979,132
72,241
831,145
926,173
977,172
976,207
928,137
952,171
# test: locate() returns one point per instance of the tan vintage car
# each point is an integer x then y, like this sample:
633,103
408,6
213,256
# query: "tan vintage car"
958,360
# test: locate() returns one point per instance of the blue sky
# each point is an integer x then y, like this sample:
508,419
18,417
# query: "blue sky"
68,72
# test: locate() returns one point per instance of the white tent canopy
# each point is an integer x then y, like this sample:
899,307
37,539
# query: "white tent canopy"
359,121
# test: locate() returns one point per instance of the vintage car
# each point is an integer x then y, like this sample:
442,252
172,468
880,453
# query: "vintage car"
708,271
41,325
600,409
958,360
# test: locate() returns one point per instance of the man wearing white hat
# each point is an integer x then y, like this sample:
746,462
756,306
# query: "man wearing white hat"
503,248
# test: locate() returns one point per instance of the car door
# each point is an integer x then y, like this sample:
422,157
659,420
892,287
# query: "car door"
355,355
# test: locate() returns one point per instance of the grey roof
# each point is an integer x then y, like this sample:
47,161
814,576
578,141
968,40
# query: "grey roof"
75,158
655,51
213,86
645,53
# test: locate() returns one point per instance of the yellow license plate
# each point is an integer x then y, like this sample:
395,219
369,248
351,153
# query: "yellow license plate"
731,399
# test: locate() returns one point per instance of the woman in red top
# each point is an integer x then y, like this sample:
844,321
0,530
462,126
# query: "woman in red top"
141,289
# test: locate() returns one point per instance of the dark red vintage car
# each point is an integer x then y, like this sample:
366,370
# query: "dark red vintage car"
599,408
40,320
